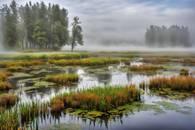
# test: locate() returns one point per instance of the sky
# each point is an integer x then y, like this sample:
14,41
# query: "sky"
124,22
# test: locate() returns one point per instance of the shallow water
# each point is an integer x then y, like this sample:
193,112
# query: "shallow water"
170,119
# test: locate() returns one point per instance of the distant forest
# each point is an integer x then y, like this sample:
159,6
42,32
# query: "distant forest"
172,36
38,26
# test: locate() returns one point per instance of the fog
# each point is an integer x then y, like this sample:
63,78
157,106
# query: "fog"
123,23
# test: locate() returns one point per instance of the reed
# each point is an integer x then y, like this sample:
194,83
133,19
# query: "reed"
100,98
50,55
145,68
184,72
21,63
86,61
8,100
178,83
64,79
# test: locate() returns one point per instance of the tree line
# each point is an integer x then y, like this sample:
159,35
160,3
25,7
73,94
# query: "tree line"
168,36
38,26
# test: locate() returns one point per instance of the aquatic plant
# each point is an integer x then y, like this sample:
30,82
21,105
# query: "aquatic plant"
100,98
63,79
86,61
184,72
4,84
8,99
9,120
21,63
145,68
178,83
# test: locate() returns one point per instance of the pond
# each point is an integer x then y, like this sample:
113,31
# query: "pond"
155,113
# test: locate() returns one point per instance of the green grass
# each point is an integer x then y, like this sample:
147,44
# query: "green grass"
43,55
87,61
63,79
100,98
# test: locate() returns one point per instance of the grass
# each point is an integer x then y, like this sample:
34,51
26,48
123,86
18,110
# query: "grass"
21,63
4,84
63,79
86,61
7,100
145,68
184,72
43,55
101,99
176,83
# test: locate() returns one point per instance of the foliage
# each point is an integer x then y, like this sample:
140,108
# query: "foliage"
36,26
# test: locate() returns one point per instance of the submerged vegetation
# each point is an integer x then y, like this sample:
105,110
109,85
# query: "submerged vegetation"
101,99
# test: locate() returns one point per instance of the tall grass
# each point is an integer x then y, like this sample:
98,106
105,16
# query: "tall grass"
7,100
24,63
63,79
145,68
178,83
100,98
86,61
4,84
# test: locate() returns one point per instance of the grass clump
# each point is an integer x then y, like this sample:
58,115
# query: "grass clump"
100,99
63,79
145,68
86,61
25,63
8,100
173,85
184,72
4,84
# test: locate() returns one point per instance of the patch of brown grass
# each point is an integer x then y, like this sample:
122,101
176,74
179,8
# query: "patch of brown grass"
145,68
7,100
179,83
